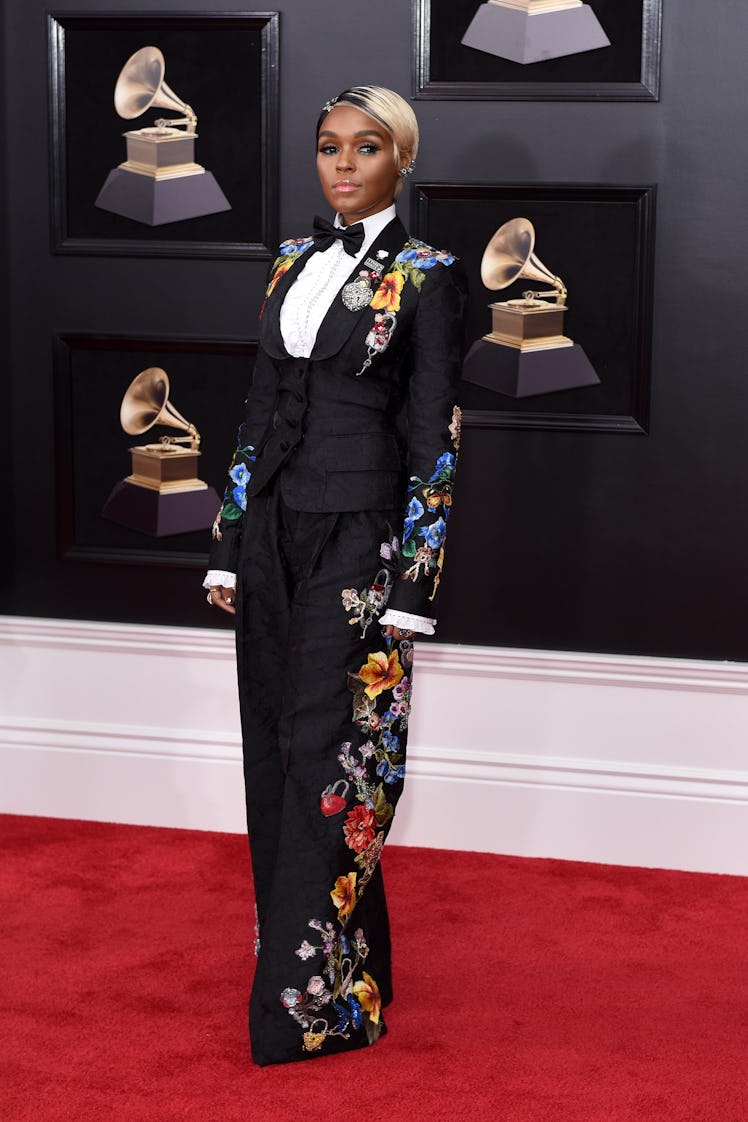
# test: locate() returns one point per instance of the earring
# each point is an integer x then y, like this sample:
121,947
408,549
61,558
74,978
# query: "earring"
411,167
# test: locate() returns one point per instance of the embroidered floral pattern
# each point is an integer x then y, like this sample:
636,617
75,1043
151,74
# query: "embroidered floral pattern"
381,672
435,499
411,264
456,427
343,894
289,251
387,296
235,495
367,993
342,998
369,603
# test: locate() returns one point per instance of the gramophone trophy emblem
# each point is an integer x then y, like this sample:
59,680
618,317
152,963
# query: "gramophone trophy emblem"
159,181
163,494
526,352
534,30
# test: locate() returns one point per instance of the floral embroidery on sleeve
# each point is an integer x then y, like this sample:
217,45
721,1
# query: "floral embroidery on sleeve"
235,495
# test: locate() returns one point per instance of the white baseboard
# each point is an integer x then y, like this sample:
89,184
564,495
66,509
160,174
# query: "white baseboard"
603,758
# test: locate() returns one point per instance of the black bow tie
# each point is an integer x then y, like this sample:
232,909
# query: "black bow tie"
324,234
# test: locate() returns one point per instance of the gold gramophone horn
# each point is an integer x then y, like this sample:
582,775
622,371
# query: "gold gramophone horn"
141,85
146,403
509,255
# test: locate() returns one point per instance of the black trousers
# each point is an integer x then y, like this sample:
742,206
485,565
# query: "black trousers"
324,706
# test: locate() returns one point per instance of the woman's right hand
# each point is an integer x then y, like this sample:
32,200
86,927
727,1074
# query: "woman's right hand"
221,597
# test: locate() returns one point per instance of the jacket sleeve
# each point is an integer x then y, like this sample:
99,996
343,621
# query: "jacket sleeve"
433,437
260,403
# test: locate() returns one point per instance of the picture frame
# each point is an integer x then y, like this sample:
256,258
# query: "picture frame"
208,380
600,239
628,69
226,66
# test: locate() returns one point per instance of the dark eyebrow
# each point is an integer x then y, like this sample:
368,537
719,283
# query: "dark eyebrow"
361,132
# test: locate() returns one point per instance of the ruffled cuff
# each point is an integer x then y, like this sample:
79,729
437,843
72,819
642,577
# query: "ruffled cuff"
422,624
219,577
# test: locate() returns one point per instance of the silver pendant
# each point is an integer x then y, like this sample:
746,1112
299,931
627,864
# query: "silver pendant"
357,294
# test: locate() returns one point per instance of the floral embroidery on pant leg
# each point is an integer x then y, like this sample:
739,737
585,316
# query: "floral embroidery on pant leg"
343,998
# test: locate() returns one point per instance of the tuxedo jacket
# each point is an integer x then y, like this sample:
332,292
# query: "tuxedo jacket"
369,420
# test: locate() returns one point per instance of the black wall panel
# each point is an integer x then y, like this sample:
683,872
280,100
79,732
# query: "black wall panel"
584,541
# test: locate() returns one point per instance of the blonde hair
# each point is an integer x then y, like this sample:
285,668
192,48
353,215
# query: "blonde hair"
390,110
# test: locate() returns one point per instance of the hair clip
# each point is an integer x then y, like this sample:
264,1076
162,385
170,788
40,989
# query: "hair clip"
329,104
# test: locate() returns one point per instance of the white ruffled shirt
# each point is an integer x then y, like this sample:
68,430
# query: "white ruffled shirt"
307,302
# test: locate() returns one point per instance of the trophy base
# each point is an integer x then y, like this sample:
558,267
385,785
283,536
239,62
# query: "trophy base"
160,516
516,373
154,202
526,36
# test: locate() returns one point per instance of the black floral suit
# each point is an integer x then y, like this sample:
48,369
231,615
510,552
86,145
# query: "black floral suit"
336,507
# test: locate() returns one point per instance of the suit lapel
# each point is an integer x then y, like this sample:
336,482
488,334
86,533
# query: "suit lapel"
270,332
340,321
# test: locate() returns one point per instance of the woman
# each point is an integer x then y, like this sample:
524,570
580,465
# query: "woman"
336,510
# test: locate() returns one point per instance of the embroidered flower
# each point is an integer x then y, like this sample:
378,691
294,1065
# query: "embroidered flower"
290,997
240,475
239,495
444,467
350,1015
387,296
401,690
295,245
412,514
434,534
359,828
367,992
279,272
381,672
390,772
350,598
343,895
456,427
316,986
306,950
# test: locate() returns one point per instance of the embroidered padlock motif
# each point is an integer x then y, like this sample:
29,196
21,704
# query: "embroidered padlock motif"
330,801
378,338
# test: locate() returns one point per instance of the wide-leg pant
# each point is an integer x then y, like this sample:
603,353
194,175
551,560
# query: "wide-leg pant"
324,705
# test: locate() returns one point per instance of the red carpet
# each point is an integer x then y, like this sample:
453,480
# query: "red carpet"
526,990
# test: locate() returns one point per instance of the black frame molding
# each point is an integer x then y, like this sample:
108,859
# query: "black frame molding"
647,88
65,345
59,24
642,199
